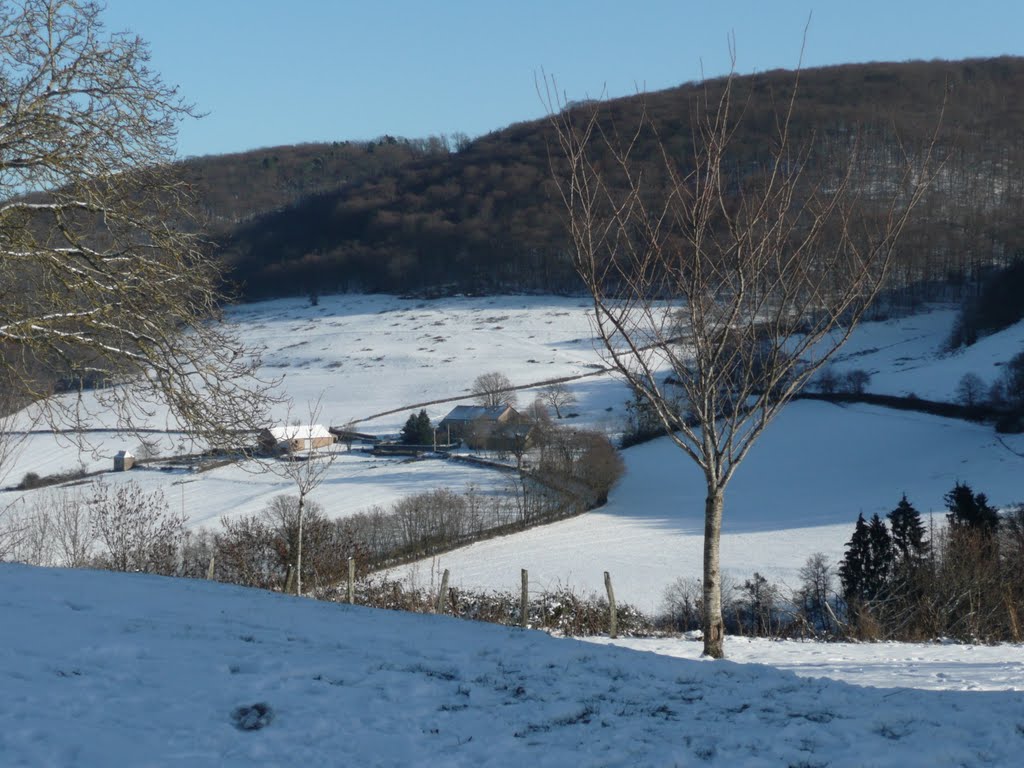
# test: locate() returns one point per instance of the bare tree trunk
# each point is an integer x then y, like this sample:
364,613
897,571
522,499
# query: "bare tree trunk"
613,618
714,626
351,580
298,549
442,594
524,600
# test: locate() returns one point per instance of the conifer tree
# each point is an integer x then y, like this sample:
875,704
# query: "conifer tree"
868,562
880,562
907,531
970,511
418,430
855,562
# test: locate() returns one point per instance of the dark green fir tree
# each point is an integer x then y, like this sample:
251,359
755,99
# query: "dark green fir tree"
907,532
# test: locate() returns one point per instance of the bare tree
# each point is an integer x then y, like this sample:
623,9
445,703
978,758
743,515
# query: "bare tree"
856,381
557,396
104,279
137,529
72,527
14,530
721,283
971,389
494,388
816,594
307,469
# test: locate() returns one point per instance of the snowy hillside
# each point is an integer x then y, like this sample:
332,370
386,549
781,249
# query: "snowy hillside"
799,492
101,669
360,356
906,356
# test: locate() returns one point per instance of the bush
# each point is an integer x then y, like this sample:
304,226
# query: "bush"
29,481
971,390
138,530
560,610
856,381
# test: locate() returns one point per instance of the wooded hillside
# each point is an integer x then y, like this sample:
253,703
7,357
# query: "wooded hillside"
483,216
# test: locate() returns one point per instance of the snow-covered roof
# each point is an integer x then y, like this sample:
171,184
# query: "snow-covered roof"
299,432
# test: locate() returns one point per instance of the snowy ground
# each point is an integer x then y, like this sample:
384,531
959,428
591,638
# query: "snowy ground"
798,493
100,669
359,356
907,356
928,666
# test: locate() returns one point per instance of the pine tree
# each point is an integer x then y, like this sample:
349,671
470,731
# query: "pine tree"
881,560
855,562
907,531
409,430
970,511
424,429
418,430
868,563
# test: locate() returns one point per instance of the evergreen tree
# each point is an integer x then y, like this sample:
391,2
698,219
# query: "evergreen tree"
868,563
424,428
970,511
855,562
907,531
418,430
881,560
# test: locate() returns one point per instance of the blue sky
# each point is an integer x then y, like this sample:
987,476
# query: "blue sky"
271,72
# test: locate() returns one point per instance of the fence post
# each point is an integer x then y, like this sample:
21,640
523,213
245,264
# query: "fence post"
351,580
524,600
613,619
443,594
209,571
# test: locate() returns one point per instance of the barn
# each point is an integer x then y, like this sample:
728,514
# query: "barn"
295,437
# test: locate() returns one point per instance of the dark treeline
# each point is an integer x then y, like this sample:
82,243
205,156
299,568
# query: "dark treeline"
484,215
236,188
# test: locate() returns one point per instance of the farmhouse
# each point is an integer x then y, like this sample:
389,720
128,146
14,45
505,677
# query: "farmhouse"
496,427
463,420
295,437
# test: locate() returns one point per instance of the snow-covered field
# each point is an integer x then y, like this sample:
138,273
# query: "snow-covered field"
360,356
798,493
101,669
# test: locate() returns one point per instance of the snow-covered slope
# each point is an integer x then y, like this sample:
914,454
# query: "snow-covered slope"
799,491
816,468
803,485
101,669
906,356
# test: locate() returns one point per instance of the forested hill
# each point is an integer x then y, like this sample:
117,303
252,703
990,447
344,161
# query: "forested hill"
484,215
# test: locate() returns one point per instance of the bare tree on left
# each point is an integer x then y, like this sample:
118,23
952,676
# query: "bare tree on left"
105,283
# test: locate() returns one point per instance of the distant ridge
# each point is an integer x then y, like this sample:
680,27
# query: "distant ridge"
481,215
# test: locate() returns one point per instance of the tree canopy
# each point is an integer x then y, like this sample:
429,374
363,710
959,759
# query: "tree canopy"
102,276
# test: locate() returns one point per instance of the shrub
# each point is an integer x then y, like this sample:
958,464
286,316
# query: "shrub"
29,481
137,529
971,390
856,381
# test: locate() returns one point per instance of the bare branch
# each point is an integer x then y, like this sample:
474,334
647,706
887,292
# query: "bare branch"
102,272
723,281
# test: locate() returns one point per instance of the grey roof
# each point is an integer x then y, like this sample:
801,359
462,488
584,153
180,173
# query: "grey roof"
473,412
